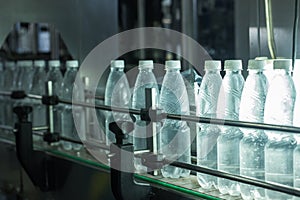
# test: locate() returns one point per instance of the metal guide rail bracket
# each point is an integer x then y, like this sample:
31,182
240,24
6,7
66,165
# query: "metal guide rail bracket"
50,100
123,184
37,164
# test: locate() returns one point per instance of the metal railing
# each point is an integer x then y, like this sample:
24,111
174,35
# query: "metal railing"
187,118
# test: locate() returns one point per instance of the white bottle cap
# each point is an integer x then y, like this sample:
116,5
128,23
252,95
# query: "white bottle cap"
117,64
9,64
54,63
72,63
173,64
146,64
212,65
234,65
39,63
257,64
261,58
24,63
283,64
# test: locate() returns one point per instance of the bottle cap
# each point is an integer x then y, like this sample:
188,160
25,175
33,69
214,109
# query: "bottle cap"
283,64
173,64
9,64
233,65
117,64
261,58
24,63
72,64
212,65
146,64
257,64
39,63
54,63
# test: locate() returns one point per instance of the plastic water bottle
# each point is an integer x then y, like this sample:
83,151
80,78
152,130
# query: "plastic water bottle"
54,75
24,82
208,134
69,112
252,160
174,140
145,79
279,110
229,139
92,129
296,122
117,94
9,75
38,88
25,75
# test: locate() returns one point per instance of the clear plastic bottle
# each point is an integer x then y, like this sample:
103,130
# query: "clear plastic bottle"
9,75
145,79
69,112
174,140
25,75
296,122
252,160
54,74
279,110
38,88
24,82
208,134
230,137
93,130
117,94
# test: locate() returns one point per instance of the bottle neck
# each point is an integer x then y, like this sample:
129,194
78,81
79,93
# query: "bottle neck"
282,71
255,71
54,68
229,71
173,70
212,71
40,69
114,69
145,69
72,68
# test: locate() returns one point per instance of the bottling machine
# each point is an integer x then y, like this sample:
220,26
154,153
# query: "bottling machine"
73,28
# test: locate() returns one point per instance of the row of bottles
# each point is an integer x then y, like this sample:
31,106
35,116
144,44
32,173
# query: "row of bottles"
173,136
264,155
31,77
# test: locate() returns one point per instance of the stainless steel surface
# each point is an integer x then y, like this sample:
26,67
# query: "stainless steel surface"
82,24
49,111
241,179
40,128
241,124
34,96
191,118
